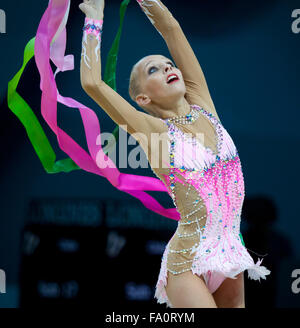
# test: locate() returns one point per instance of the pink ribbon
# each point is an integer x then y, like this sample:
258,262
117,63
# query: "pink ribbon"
134,185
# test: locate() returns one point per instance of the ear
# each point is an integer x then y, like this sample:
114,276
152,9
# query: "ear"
142,100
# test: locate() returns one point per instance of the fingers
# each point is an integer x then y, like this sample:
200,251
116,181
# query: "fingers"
92,8
86,7
83,8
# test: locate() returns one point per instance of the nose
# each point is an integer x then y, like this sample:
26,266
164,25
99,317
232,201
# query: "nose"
168,67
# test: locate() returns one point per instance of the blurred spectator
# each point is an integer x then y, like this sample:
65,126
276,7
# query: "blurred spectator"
261,237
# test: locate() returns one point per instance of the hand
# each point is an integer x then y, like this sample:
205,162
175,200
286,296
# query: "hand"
92,8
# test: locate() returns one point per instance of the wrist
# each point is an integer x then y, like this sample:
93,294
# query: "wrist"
94,17
93,26
89,20
98,16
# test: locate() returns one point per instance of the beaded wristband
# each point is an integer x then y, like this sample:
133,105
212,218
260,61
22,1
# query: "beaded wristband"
93,26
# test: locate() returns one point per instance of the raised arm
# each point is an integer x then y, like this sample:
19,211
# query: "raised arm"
120,111
181,52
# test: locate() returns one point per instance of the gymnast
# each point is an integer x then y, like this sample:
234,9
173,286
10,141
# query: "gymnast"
203,264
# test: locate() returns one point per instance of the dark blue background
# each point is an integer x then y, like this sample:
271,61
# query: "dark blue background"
250,58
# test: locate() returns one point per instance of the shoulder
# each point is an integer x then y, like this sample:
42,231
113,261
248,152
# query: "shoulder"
197,98
208,107
147,130
151,124
213,112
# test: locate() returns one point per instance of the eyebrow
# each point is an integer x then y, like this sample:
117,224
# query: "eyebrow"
148,63
152,61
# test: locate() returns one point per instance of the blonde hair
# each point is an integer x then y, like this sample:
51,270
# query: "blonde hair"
134,87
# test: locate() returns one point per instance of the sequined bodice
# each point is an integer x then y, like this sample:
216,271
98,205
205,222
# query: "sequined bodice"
208,191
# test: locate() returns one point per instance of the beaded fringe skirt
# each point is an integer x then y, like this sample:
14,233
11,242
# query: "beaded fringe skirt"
214,269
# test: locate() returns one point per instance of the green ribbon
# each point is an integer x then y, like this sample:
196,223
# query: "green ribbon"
31,123
242,240
112,57
33,128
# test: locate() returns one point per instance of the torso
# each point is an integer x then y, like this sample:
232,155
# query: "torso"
202,185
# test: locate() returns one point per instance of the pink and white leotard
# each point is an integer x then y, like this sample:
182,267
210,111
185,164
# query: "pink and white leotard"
208,189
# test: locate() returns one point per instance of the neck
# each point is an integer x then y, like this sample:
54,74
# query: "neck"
179,108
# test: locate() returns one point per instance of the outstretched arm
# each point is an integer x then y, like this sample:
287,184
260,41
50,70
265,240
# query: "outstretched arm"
181,52
120,111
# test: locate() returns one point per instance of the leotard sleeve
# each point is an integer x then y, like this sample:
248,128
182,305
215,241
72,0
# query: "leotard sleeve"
181,52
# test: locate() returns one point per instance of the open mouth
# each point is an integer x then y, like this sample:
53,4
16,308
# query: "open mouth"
172,78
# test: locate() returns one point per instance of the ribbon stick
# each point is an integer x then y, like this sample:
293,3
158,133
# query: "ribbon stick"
132,184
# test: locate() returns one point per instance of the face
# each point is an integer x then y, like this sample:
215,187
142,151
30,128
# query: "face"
161,82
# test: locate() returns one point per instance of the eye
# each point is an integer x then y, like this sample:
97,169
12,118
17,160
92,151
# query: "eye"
152,69
171,64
